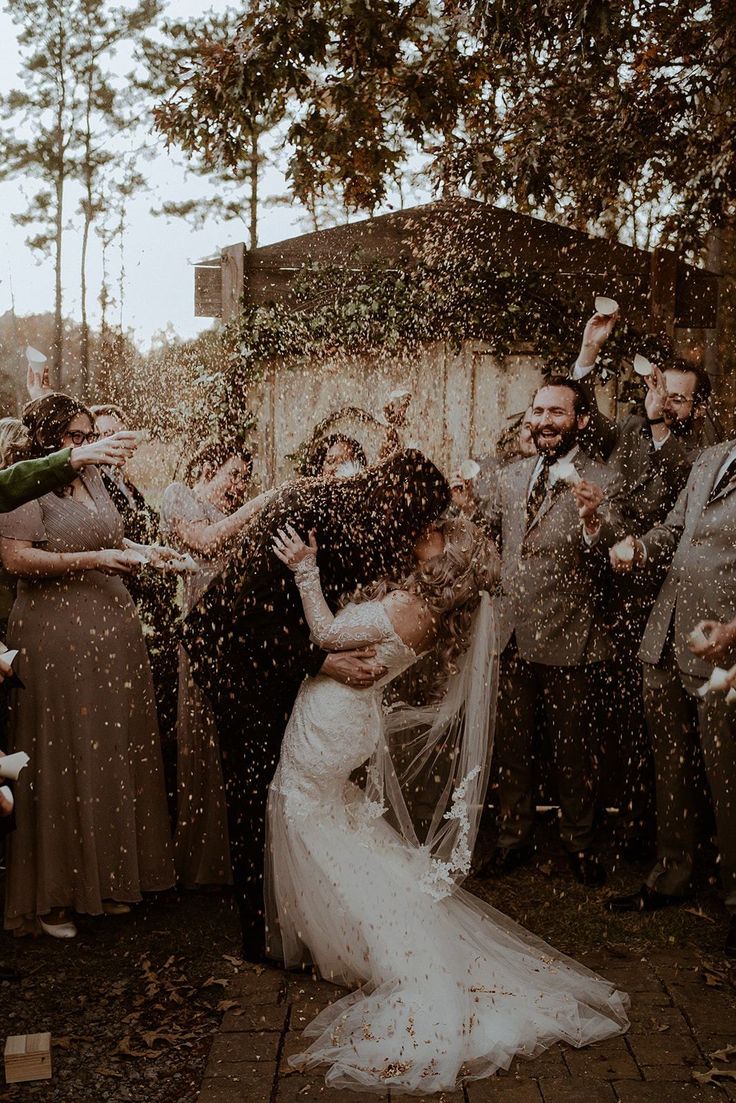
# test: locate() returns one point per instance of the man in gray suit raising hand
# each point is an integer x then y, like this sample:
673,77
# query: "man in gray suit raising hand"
546,518
692,627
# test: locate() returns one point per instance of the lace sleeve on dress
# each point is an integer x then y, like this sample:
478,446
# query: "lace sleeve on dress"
369,625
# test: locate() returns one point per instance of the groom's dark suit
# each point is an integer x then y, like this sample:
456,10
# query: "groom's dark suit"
249,643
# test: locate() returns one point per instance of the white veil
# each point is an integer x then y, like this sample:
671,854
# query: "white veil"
444,749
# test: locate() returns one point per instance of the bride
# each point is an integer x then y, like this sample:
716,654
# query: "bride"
445,988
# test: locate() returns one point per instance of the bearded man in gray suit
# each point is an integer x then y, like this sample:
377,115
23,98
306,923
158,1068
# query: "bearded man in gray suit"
546,518
653,453
692,627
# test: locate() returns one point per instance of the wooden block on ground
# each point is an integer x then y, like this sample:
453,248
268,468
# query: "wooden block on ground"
27,1057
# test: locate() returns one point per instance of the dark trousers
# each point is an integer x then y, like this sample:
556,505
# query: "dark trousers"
250,730
684,729
567,693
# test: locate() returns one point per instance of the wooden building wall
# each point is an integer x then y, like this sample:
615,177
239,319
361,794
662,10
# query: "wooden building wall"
463,400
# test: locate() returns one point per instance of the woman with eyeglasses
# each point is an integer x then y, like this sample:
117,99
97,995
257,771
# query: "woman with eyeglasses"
92,827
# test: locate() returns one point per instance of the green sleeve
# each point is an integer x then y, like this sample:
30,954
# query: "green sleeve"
31,479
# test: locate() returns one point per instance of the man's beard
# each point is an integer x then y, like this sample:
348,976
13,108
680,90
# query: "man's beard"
568,438
680,426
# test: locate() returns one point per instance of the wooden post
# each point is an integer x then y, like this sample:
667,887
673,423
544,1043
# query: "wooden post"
233,279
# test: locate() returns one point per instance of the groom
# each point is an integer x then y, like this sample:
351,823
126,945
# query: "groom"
250,647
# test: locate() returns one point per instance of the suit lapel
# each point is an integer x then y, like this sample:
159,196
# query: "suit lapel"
709,483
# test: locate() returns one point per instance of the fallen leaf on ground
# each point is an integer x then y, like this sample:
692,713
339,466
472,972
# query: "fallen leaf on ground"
712,1076
724,1054
699,914
227,1005
212,981
105,1070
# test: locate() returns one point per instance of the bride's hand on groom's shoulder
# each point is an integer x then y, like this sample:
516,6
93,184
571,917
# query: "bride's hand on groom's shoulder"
291,549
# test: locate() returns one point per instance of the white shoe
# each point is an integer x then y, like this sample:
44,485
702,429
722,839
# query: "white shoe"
58,930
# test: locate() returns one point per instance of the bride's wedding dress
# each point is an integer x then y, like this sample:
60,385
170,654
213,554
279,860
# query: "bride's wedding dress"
448,988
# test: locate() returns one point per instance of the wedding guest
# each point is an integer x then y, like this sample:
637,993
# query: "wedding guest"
203,515
154,592
552,642
514,443
22,480
653,454
92,827
336,454
697,543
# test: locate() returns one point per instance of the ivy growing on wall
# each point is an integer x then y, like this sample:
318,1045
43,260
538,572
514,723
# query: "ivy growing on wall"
350,311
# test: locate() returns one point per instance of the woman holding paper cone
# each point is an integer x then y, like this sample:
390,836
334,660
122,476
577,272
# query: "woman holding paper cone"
91,808
200,516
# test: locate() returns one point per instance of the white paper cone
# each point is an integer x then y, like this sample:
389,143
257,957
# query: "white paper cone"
717,681
6,792
469,469
33,356
12,764
624,552
642,366
605,306
697,637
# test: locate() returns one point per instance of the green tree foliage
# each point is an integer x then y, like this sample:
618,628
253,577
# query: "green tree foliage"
603,113
234,188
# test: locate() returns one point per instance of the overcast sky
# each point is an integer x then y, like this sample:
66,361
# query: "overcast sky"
159,285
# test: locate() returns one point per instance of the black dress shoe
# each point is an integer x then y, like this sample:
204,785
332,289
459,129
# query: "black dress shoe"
505,859
587,869
730,946
645,900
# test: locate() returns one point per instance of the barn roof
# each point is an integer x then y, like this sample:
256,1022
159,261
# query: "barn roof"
656,290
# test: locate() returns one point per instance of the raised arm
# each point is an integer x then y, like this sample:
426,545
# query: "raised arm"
301,558
208,539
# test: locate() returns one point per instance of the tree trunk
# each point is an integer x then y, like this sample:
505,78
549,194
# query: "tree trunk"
57,351
88,213
84,327
255,160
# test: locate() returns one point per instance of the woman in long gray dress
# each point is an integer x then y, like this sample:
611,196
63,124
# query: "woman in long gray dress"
92,827
202,515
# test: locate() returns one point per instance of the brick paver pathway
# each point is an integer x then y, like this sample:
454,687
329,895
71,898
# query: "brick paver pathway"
678,1020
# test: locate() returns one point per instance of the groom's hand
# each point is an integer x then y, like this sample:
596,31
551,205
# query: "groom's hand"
353,668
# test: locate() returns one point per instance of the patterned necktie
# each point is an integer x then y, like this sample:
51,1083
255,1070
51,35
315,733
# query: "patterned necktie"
538,491
724,480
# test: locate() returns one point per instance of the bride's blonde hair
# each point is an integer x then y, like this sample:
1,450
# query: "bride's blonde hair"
449,584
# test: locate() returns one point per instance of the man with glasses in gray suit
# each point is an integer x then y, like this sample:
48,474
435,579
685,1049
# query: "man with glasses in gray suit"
548,512
692,627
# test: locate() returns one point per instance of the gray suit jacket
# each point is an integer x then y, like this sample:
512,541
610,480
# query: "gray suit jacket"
699,538
651,478
549,578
